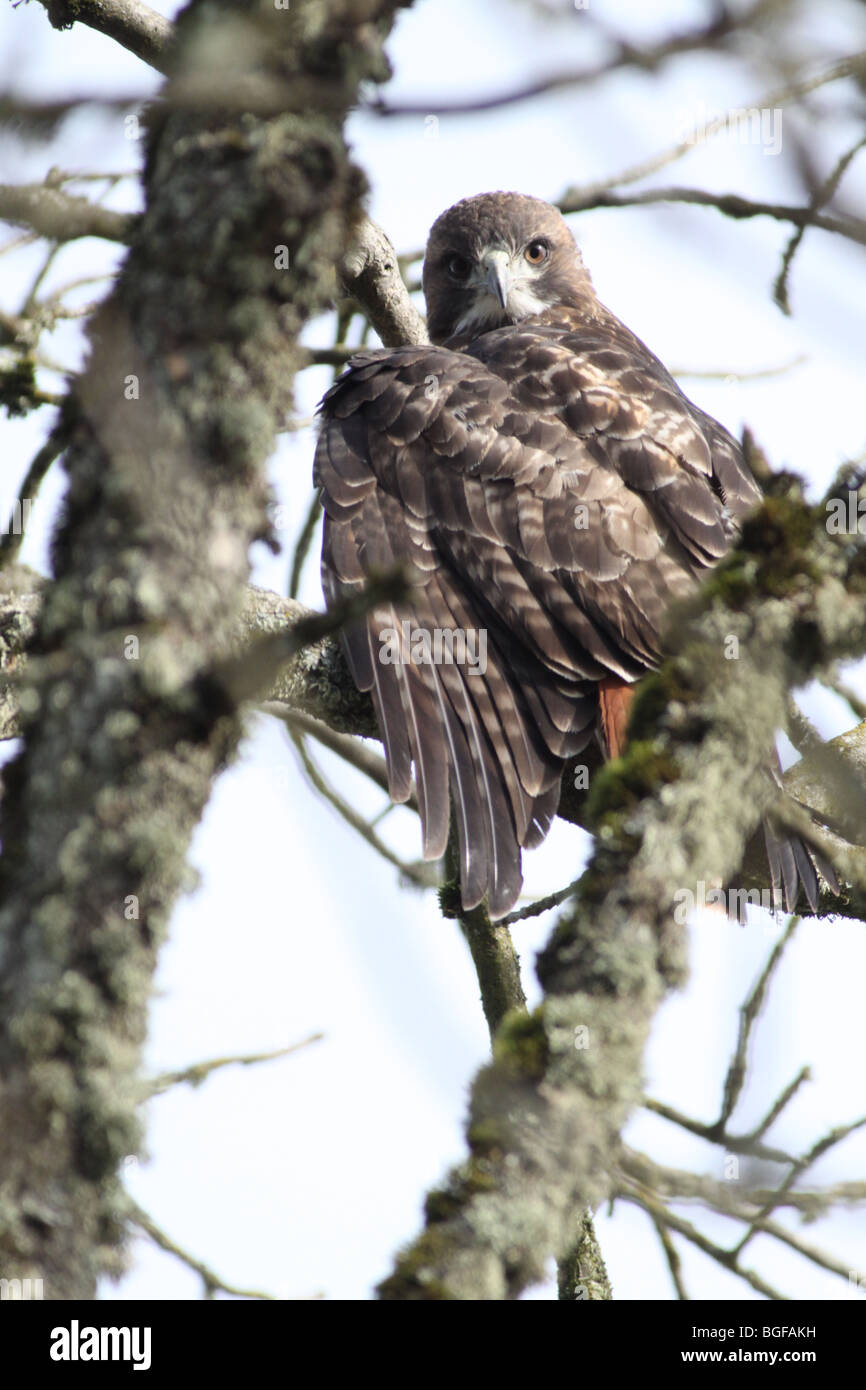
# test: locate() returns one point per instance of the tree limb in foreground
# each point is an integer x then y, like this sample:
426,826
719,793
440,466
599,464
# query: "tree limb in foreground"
134,25
545,1115
316,685
175,415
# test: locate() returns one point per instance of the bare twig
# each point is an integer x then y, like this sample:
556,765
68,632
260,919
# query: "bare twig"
212,1282
198,1072
735,1143
798,1167
819,199
351,750
782,1101
421,875
852,66
748,1015
672,1255
733,1198
721,26
541,905
728,1259
303,543
730,204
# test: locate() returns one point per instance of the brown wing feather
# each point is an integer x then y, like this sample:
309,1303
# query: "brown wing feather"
552,486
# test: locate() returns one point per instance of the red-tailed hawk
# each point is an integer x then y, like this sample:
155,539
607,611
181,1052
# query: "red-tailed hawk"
552,490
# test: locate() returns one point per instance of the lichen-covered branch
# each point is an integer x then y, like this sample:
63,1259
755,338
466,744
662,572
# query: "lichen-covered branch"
545,1116
60,216
317,684
124,728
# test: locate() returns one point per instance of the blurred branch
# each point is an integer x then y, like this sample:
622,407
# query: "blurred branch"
132,24
847,693
315,684
336,356
421,874
736,1075
201,1071
672,1256
819,199
212,1282
720,374
581,196
61,216
663,1217
128,706
581,1268
798,1167
731,1198
675,810
351,750
743,1199
305,539
730,204
736,1143
253,671
723,25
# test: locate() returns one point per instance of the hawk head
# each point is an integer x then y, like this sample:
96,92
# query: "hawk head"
496,259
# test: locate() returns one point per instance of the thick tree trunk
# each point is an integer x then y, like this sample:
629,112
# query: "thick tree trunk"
173,420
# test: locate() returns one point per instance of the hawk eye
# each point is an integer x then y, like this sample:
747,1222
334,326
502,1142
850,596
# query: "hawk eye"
458,267
537,252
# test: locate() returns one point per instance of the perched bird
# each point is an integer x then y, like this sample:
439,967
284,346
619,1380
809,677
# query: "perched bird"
552,491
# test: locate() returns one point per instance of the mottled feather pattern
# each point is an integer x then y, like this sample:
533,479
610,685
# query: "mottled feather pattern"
546,483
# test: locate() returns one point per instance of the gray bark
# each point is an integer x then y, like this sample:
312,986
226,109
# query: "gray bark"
545,1116
174,417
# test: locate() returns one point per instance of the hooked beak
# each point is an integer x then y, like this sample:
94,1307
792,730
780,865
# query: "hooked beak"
496,263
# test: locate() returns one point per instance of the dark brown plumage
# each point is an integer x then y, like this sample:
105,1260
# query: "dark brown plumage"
553,491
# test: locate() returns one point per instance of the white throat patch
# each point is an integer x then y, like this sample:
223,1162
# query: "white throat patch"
486,312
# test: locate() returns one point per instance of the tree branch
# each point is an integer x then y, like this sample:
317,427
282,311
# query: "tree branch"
370,271
853,66
722,26
60,216
545,1116
132,24
316,685
730,204
124,728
